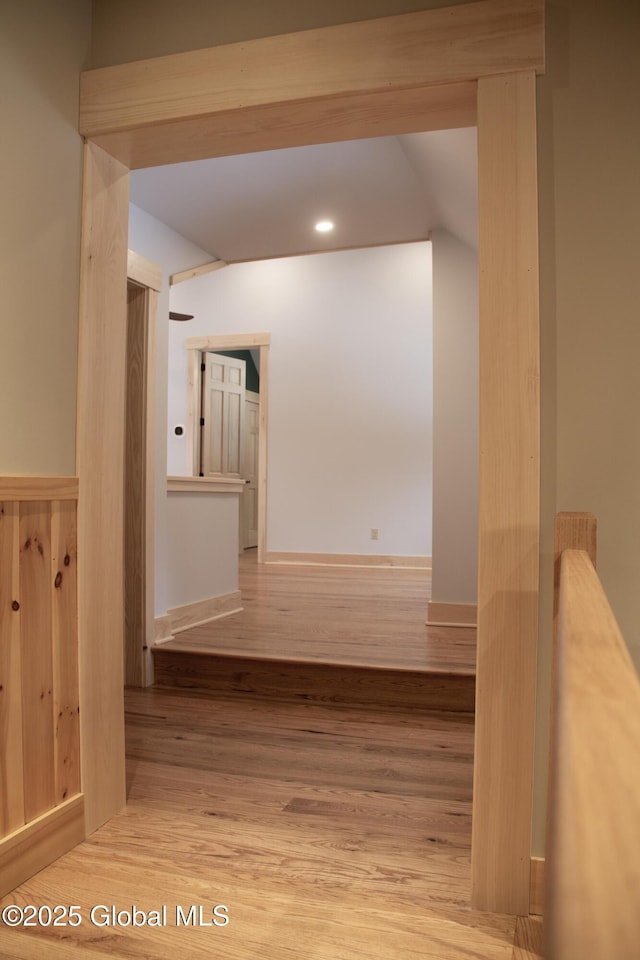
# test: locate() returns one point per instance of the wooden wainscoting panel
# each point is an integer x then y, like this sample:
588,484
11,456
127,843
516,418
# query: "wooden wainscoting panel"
39,723
64,603
37,658
11,762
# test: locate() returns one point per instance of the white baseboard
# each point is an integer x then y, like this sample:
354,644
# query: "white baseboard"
451,614
194,614
347,560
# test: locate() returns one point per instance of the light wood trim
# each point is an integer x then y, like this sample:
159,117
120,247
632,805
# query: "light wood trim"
395,54
348,117
421,238
204,485
194,410
39,843
452,614
572,531
194,272
231,341
509,493
11,763
39,488
193,614
536,898
135,475
100,467
592,906
162,629
263,449
150,499
347,560
140,482
144,272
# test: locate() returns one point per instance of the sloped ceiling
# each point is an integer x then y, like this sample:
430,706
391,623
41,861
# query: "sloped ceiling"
256,206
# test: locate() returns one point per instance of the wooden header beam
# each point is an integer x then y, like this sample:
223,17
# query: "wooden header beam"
353,80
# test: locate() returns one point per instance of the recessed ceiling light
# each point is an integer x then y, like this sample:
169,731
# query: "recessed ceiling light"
324,226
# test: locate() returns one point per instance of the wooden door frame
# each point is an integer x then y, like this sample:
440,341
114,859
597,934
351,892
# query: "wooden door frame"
147,275
195,346
435,69
251,396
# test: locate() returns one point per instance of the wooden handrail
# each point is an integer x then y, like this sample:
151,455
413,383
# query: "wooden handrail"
592,907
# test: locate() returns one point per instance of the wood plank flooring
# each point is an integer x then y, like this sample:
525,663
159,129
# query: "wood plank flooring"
329,634
370,616
328,832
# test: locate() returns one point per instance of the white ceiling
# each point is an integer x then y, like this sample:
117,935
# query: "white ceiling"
262,205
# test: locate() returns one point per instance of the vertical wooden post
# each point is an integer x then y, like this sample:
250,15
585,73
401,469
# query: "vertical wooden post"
572,531
509,493
100,468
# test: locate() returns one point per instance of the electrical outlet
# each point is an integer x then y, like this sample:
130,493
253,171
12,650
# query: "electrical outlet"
374,533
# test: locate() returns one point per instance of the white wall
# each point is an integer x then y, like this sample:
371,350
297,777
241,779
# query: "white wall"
455,420
202,533
43,46
181,577
350,391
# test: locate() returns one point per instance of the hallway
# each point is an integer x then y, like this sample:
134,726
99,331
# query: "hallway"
328,832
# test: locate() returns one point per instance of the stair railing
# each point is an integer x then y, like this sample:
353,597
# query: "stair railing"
592,899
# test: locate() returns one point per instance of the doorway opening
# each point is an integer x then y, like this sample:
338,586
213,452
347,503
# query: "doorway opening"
144,280
197,349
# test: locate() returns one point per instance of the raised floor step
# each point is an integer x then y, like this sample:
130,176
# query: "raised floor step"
279,679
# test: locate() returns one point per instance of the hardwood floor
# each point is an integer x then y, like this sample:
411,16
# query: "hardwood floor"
328,832
330,634
370,616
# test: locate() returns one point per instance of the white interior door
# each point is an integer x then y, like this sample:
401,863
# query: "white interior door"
250,494
223,412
